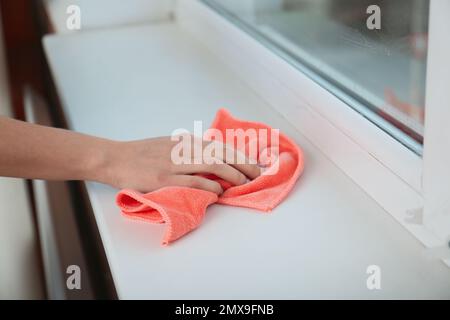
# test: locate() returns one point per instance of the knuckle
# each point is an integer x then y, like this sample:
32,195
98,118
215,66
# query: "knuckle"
238,177
255,171
216,167
162,179
195,183
216,187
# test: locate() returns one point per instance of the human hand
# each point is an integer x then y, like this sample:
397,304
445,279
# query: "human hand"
147,165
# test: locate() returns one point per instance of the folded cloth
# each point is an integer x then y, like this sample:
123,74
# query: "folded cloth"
183,209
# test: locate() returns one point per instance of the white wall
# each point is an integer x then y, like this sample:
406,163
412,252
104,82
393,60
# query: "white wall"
19,271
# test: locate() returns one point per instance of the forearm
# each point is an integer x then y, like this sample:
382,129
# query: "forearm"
38,152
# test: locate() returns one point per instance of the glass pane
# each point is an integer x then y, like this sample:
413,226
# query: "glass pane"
379,72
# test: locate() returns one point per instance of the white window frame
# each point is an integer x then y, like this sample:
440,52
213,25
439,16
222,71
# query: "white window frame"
409,187
436,157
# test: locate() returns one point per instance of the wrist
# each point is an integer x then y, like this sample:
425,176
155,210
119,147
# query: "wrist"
103,167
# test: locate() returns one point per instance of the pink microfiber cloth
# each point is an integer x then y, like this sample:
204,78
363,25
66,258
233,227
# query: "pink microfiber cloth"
183,209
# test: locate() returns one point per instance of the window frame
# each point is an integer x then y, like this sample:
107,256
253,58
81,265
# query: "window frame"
243,13
388,171
436,157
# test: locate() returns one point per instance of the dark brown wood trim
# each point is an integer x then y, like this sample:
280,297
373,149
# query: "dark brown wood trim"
96,261
25,22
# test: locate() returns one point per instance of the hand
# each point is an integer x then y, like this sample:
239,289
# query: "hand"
146,165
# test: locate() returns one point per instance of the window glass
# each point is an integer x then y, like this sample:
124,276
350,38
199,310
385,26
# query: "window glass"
369,53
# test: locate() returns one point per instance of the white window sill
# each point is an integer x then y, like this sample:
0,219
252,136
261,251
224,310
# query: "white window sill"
101,14
146,81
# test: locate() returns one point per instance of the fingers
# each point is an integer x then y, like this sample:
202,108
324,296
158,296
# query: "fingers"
234,158
220,169
221,160
252,171
196,183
